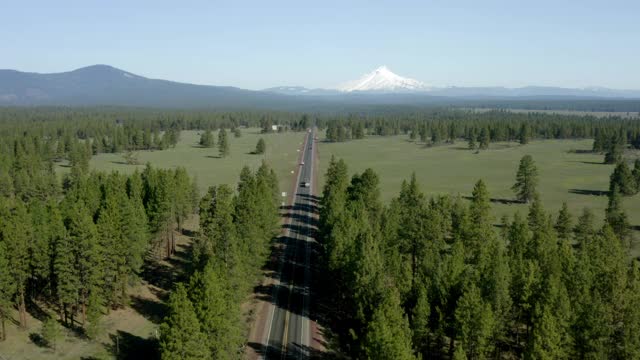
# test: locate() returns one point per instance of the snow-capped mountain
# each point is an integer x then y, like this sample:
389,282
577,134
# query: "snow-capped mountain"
383,80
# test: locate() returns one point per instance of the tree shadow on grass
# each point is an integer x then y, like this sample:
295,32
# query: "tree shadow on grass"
158,274
38,340
499,200
581,151
588,162
213,156
589,192
36,311
165,273
152,310
189,233
125,345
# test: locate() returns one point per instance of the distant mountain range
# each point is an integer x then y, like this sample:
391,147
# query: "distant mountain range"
383,80
106,85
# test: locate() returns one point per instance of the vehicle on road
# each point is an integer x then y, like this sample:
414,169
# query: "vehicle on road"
305,184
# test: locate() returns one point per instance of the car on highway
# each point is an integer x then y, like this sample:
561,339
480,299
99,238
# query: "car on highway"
305,184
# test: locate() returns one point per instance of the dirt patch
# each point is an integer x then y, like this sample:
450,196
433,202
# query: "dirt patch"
129,333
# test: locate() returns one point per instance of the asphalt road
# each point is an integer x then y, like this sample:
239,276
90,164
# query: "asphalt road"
288,334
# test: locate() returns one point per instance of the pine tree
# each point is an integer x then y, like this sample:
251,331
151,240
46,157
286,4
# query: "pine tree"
615,215
484,139
623,180
480,209
478,235
412,236
67,277
51,332
7,289
471,141
112,246
475,323
365,188
524,135
40,246
84,236
206,139
526,180
614,153
584,230
563,223
550,335
17,235
495,285
388,335
217,311
94,315
420,320
333,195
630,337
246,217
223,143
636,173
135,230
181,337
218,238
182,197
598,289
260,147
459,353
158,190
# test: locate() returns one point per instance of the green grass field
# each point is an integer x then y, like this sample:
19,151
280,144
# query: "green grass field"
565,175
204,163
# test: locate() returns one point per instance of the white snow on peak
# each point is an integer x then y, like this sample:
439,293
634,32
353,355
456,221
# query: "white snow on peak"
383,79
127,75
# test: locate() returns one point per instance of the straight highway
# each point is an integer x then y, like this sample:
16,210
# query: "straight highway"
287,335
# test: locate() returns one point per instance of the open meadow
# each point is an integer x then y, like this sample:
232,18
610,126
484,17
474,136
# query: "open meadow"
205,163
567,171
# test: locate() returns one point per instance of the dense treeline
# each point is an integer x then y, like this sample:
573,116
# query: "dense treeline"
480,128
113,130
433,277
80,246
236,228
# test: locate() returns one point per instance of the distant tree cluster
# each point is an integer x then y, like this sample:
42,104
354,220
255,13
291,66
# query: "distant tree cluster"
115,130
339,132
432,277
479,128
205,319
267,123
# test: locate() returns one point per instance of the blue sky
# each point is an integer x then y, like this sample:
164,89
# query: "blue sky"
258,44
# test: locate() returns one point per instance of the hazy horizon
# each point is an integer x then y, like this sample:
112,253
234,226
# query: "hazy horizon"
256,45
